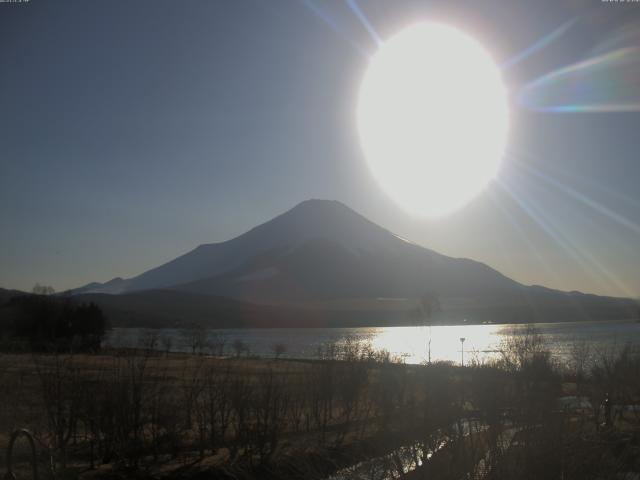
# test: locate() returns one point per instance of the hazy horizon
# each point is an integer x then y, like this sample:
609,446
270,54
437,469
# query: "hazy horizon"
133,133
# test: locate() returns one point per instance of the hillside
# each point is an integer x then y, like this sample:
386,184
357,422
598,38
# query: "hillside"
323,257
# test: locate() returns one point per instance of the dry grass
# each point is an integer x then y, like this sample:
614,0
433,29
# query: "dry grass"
176,415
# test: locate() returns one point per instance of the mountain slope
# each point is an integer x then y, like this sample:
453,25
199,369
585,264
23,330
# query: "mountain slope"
320,269
6,294
311,219
314,234
323,256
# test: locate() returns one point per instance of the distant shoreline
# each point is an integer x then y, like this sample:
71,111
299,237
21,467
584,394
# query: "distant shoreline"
337,327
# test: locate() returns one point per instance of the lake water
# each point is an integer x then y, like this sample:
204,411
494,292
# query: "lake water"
482,342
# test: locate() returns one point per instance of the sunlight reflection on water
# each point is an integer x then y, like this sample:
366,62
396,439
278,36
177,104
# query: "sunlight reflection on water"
413,342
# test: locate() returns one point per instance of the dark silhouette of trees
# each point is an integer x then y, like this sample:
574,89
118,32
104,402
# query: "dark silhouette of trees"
48,322
42,289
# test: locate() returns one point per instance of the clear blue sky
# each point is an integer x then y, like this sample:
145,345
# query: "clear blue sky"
130,132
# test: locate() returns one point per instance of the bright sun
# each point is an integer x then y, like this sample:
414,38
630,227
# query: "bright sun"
433,118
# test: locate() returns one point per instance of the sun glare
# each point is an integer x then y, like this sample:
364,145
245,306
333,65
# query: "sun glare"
432,118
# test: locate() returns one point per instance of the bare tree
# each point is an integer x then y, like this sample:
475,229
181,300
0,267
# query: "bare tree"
278,349
239,347
429,305
520,348
60,380
217,344
149,341
167,343
195,338
42,289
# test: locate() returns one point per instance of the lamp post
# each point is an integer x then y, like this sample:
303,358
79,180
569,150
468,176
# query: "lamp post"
462,339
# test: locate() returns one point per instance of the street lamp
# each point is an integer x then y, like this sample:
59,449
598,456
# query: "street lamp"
462,339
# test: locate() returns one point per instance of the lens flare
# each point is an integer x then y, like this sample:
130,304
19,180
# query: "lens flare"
363,19
608,81
539,45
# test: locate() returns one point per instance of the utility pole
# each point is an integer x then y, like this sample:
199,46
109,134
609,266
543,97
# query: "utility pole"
462,339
